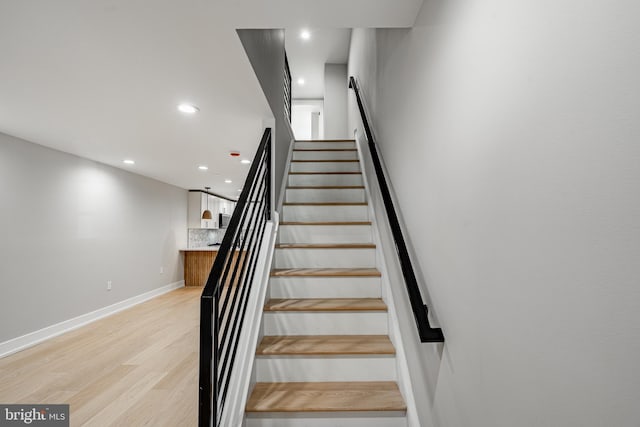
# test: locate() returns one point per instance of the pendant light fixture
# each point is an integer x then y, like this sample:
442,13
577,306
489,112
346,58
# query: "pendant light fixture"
207,213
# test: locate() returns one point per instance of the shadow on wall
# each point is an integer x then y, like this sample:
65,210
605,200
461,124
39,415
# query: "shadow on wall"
424,360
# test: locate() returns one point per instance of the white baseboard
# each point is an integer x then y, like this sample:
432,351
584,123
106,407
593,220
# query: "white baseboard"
28,340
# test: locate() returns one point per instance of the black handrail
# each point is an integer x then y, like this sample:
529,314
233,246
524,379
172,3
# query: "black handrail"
420,310
223,303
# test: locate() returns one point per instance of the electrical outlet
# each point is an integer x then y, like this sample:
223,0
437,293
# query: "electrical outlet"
161,270
108,285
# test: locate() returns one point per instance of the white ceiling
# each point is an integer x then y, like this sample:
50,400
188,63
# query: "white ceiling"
307,57
101,79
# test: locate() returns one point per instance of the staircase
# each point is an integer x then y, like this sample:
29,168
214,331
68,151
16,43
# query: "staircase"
325,358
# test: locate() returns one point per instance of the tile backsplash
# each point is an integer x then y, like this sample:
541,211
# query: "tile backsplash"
200,237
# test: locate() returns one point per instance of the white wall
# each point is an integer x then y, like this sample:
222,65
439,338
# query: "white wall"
302,120
68,225
335,101
509,131
265,51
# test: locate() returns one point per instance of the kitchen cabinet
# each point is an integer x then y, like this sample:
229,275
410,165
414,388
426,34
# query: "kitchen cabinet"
198,203
226,206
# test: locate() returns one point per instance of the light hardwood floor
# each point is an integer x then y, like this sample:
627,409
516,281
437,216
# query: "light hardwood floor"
136,368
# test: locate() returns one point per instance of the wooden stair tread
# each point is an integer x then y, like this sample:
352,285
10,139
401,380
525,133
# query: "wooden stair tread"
325,304
325,173
326,223
331,150
325,246
325,203
300,345
325,161
325,187
326,397
325,140
325,272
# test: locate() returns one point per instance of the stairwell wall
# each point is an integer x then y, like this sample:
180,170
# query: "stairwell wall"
265,50
508,132
335,101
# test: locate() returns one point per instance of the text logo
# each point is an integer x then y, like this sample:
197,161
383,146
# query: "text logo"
34,415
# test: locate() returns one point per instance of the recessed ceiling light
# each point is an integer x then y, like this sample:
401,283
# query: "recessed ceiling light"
188,108
301,81
305,35
228,181
129,162
245,161
203,168
239,189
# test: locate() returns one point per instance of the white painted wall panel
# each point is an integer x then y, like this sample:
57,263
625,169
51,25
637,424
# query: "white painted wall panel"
507,131
69,225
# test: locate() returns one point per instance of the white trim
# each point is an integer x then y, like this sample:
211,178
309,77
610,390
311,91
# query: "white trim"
240,381
28,340
402,366
285,179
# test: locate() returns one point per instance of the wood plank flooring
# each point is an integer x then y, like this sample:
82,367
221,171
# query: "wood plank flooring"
137,367
326,397
325,304
297,345
325,246
325,272
330,223
325,140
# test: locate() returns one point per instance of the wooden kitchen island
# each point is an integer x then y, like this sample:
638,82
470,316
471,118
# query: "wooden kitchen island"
198,263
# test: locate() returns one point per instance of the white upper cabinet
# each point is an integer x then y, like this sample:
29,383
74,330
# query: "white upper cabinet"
199,202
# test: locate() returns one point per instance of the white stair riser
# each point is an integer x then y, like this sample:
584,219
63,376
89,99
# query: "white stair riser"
325,258
325,323
325,233
353,195
316,180
325,287
377,419
325,213
325,155
324,145
328,368
325,167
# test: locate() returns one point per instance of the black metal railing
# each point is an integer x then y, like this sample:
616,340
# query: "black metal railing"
420,310
224,299
287,88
